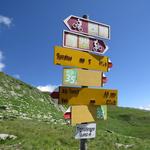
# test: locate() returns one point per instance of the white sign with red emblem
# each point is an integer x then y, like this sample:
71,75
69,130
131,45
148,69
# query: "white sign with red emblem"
82,42
87,27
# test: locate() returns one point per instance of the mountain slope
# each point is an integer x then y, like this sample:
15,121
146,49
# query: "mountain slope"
20,100
127,121
35,135
37,122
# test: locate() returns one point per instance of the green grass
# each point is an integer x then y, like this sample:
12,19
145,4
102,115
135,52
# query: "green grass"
124,126
24,100
35,135
127,121
38,135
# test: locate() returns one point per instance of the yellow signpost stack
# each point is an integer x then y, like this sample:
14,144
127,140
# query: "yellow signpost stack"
83,50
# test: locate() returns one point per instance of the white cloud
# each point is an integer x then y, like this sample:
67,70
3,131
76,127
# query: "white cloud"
145,107
2,65
47,88
5,20
17,76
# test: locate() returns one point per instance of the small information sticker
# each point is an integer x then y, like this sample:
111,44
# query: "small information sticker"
93,29
104,32
102,112
85,131
70,76
84,42
71,40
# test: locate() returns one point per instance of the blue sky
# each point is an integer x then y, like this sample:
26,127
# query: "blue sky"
30,29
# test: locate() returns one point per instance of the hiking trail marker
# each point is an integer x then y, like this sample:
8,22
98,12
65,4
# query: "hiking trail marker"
86,113
69,57
82,77
88,27
83,42
86,96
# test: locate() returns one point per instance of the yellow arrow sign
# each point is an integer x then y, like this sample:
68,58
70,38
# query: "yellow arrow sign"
70,57
87,96
81,77
83,114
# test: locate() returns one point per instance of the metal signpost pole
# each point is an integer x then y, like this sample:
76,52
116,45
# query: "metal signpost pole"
83,142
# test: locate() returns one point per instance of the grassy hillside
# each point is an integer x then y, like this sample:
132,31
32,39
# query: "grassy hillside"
20,100
35,135
128,121
37,122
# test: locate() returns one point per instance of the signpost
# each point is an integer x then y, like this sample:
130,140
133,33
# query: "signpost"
82,77
87,96
86,26
69,57
82,48
83,42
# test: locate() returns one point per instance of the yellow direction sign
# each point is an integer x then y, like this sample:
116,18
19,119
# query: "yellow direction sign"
83,114
82,77
87,96
70,57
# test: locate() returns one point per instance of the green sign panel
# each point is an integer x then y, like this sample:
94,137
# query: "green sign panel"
70,76
102,112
